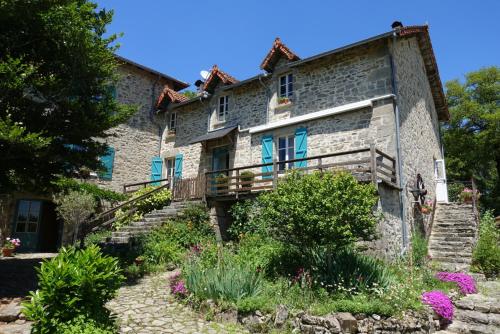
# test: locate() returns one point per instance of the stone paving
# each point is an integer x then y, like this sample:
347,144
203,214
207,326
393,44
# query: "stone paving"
147,308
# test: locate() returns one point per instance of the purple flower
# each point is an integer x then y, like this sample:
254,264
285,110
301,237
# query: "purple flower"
440,303
465,283
178,289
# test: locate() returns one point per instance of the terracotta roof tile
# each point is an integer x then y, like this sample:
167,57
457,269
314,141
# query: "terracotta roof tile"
171,95
217,74
279,48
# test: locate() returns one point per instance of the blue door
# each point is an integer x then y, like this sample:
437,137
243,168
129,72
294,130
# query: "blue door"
27,224
220,161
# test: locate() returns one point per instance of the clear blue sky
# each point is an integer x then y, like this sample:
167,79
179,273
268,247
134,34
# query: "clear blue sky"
180,38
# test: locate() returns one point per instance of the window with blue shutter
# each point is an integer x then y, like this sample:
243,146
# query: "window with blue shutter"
267,155
301,147
178,166
107,161
156,166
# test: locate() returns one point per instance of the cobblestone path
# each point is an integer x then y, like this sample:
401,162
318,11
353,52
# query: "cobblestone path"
147,308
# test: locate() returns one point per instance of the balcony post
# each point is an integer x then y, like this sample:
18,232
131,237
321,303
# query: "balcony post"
237,185
275,173
373,164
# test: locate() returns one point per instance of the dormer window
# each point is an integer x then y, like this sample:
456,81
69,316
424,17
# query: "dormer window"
172,124
286,87
223,108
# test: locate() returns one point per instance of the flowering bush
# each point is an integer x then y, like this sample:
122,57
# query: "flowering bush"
177,286
440,303
12,243
427,207
465,282
467,193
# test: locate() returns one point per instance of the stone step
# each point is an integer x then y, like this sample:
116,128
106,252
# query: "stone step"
445,259
459,244
453,230
453,267
118,240
452,248
461,327
461,238
478,318
445,224
440,253
479,303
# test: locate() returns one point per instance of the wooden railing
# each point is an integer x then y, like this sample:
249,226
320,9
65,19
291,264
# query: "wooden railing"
133,187
367,164
190,188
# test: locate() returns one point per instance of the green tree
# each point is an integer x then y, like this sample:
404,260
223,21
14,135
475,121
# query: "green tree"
57,71
472,136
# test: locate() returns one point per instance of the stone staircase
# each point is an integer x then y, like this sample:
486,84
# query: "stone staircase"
477,313
452,237
148,222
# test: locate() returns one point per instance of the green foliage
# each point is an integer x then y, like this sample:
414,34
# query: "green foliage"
83,325
55,70
196,216
95,238
74,283
245,220
486,255
320,209
67,184
189,94
454,191
471,137
133,271
418,249
227,281
74,207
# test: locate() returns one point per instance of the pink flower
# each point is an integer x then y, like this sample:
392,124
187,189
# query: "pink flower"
465,283
440,303
177,286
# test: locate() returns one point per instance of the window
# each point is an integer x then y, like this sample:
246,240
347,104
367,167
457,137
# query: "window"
286,151
223,108
28,216
286,86
170,168
173,121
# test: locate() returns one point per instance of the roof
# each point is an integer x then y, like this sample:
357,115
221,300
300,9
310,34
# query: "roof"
214,134
177,84
215,75
279,49
171,95
424,41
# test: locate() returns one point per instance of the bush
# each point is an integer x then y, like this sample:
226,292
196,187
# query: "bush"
83,325
227,282
74,208
95,238
418,249
454,191
99,194
196,215
245,220
320,209
486,255
74,283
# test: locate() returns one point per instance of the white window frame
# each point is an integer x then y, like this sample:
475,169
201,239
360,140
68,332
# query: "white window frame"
281,166
170,170
288,85
172,121
222,108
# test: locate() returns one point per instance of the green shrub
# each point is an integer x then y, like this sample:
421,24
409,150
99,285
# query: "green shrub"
99,194
95,238
83,325
486,255
454,191
245,220
133,271
320,209
261,253
196,215
418,249
228,281
74,283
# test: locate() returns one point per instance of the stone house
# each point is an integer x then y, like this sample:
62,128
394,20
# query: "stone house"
132,146
381,96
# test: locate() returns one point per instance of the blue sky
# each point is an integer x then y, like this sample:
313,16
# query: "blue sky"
180,38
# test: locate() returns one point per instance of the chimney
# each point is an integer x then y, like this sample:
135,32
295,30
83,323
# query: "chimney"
396,25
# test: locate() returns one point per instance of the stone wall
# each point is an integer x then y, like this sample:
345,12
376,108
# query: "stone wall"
420,137
138,140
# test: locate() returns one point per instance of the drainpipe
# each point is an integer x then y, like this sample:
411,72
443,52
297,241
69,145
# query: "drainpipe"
268,95
402,205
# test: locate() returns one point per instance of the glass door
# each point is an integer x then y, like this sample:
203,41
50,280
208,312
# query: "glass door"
26,224
441,186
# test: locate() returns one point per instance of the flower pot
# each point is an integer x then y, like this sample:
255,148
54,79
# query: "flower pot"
7,252
138,262
425,210
468,200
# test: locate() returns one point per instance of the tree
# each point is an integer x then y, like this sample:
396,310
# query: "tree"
320,209
56,101
74,207
472,136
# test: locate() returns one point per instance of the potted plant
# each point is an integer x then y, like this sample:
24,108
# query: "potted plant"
283,100
467,194
247,178
426,207
139,260
220,180
10,246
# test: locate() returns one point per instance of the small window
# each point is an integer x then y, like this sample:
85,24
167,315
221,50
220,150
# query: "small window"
173,121
28,216
170,168
223,108
286,85
286,151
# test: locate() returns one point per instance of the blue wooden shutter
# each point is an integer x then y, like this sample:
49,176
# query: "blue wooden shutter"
267,155
107,161
156,166
178,166
301,147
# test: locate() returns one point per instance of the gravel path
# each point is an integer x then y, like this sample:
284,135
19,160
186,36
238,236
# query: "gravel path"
147,308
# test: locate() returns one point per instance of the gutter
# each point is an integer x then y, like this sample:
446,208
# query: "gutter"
402,205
